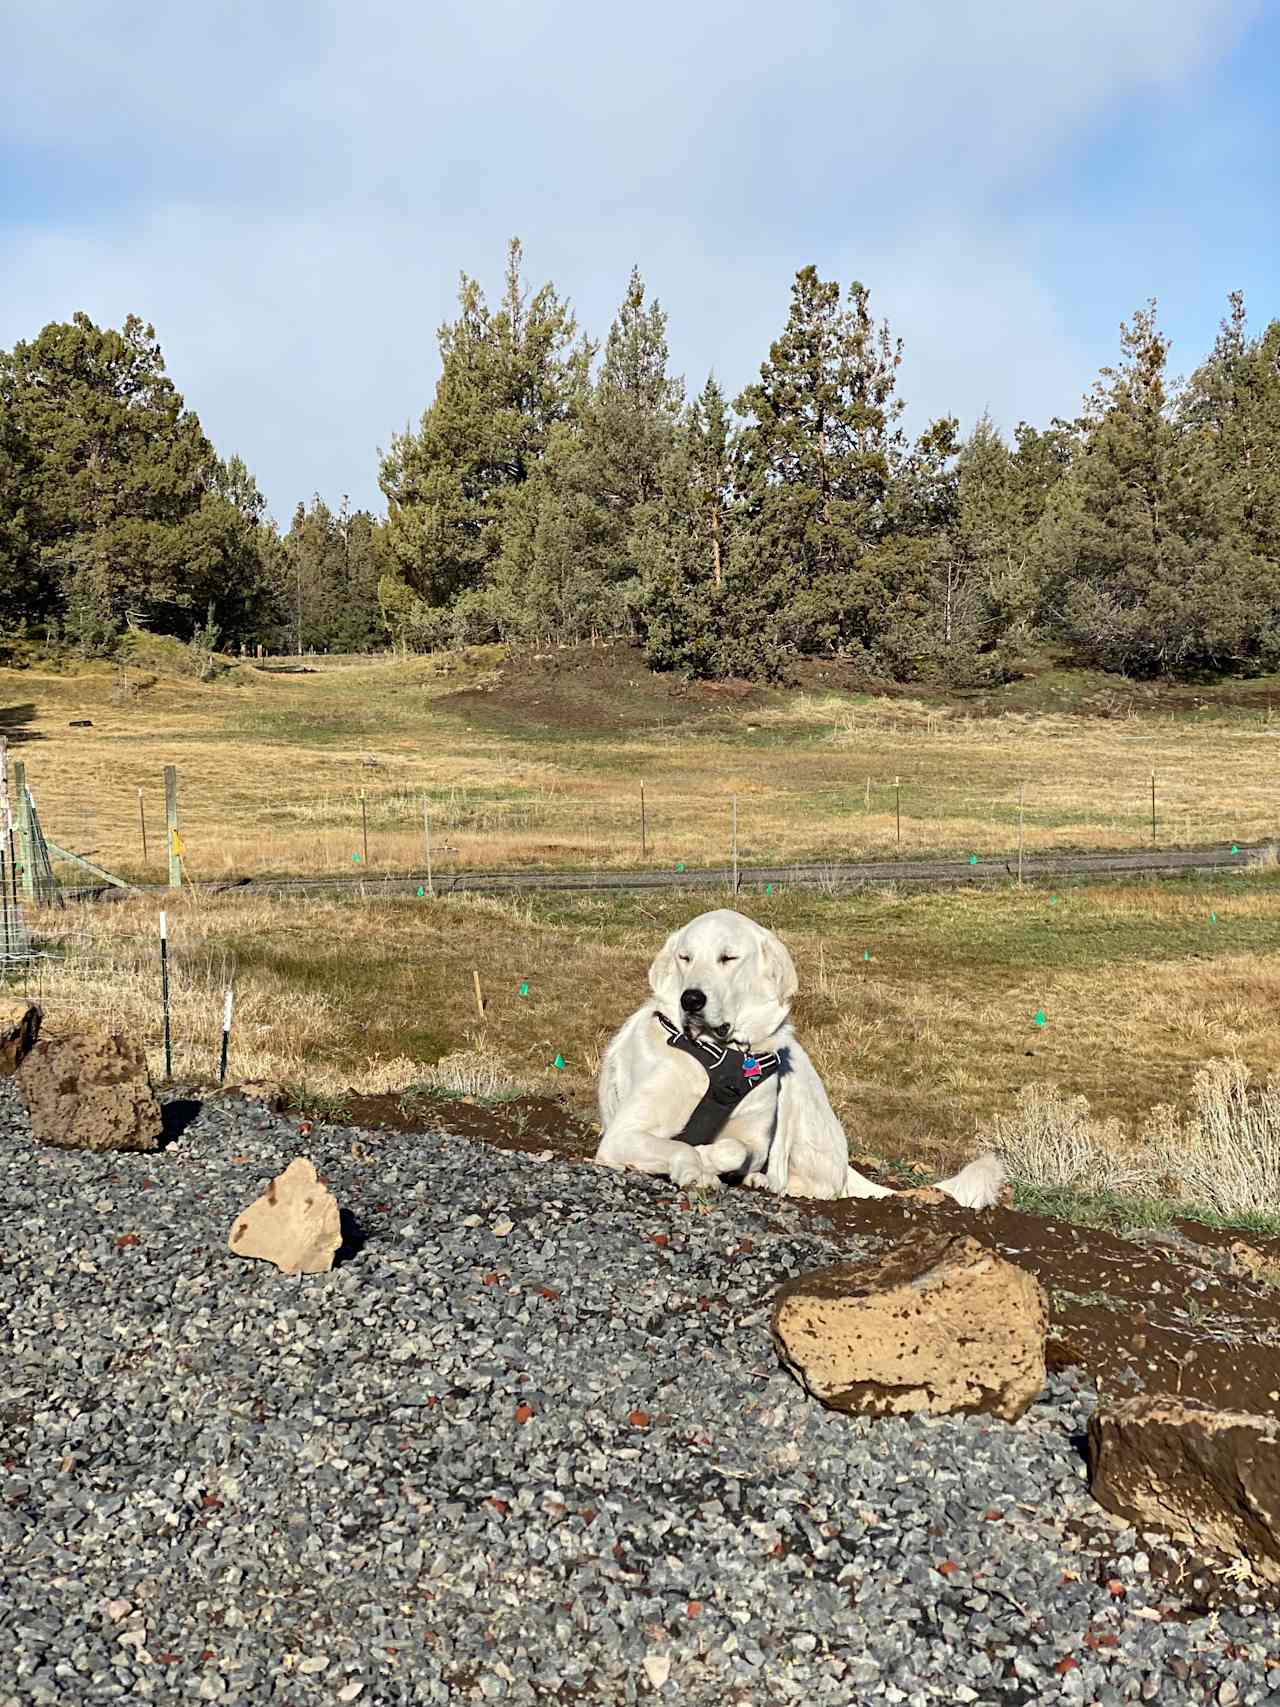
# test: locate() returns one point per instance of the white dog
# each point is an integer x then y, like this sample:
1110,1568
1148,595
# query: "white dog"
724,987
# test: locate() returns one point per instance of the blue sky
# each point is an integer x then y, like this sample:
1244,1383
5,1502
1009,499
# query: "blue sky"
288,192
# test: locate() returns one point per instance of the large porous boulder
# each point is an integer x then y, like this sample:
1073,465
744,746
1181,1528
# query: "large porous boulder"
941,1324
19,1028
1209,1478
296,1223
90,1092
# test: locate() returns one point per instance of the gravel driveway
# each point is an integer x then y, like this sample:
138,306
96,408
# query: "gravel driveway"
528,1442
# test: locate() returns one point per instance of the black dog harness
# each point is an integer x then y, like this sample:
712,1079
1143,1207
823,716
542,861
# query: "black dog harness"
731,1075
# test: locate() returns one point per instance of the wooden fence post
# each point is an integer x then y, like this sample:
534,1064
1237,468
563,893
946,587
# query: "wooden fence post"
171,825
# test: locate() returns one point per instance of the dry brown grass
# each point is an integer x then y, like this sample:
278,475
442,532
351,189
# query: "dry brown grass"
932,1036
271,767
1222,1153
929,1037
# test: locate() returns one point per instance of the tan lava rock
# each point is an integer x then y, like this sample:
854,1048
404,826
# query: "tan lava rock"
90,1092
941,1324
296,1224
1250,1263
19,1028
1209,1478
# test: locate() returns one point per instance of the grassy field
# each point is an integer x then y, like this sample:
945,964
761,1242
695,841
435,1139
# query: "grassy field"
920,1045
540,764
920,1009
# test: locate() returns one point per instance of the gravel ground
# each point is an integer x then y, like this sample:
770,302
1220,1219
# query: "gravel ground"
528,1442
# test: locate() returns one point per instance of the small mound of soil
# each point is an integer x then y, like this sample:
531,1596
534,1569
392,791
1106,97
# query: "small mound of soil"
1185,1309
1165,1310
530,1124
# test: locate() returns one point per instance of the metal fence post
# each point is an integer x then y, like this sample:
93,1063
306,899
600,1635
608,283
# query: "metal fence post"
171,825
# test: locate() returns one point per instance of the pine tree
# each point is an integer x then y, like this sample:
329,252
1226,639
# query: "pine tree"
567,558
681,543
508,376
939,618
335,562
119,473
982,563
24,592
816,466
1125,541
235,568
1232,411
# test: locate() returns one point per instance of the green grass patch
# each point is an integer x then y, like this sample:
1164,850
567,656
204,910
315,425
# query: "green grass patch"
1117,1213
950,929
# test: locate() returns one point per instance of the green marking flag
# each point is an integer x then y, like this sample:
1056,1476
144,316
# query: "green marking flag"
973,859
421,894
523,990
679,865
1213,918
768,888
1235,847
866,954
355,859
1053,900
1040,1019
558,1063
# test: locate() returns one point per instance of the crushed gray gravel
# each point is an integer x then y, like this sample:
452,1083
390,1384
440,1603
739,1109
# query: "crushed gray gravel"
528,1442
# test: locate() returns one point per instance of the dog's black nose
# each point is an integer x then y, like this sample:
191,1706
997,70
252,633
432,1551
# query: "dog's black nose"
693,1001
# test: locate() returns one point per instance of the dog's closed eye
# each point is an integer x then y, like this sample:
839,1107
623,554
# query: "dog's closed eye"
726,958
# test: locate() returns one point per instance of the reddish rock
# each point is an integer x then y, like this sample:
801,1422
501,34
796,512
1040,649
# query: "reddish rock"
940,1325
1209,1478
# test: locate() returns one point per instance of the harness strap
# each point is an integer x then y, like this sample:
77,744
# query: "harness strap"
731,1076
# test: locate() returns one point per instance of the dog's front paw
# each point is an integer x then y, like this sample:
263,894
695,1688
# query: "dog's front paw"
758,1182
691,1170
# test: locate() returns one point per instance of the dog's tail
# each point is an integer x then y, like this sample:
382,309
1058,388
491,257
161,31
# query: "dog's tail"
978,1185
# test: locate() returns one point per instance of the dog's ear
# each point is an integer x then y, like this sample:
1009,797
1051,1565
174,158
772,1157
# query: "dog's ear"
777,968
662,974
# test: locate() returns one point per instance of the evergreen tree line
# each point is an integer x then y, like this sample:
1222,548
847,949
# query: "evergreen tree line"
555,487
546,492
115,510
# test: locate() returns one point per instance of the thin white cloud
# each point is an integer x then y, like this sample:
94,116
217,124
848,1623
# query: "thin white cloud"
289,192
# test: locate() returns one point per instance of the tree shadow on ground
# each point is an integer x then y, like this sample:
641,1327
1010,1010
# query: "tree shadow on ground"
13,719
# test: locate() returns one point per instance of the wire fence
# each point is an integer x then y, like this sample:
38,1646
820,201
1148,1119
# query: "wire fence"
380,830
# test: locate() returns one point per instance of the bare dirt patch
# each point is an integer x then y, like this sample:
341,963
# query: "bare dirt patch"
529,1124
583,692
1169,1310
